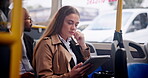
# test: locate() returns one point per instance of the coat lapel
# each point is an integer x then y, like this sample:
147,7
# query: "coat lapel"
55,40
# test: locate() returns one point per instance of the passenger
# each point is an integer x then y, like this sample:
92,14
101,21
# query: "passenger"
27,42
58,54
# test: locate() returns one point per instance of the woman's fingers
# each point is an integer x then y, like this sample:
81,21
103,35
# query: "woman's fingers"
85,68
77,35
78,65
79,70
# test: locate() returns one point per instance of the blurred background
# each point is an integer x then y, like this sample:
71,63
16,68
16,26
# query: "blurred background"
92,20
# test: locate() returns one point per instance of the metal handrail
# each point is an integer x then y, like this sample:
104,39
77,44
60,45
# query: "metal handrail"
119,16
13,39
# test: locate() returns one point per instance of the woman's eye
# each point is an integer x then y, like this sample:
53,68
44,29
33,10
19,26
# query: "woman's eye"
70,23
76,25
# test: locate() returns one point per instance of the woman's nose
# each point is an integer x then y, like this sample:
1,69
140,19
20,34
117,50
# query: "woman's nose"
74,27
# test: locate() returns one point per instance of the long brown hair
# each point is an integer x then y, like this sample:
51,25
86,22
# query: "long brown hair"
56,23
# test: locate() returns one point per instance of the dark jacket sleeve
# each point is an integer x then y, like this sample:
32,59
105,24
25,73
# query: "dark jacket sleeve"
29,46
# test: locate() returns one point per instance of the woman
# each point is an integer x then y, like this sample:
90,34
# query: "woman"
57,55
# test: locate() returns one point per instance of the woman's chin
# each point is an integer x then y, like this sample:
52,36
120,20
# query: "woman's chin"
70,35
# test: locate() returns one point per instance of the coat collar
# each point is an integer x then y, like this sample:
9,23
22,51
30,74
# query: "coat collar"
55,39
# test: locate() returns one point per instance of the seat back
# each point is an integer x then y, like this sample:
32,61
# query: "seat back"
137,59
146,48
92,49
119,60
136,56
135,52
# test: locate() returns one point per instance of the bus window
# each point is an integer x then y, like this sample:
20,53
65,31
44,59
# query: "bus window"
39,10
94,14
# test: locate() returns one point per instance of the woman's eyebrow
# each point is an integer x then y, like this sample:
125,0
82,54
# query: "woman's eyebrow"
73,21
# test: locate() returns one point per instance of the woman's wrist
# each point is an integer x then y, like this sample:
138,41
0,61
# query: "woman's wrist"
84,46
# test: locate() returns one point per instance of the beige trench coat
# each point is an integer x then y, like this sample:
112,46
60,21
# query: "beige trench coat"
52,60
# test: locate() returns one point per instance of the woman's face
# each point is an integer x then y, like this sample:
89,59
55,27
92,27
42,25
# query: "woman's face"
69,26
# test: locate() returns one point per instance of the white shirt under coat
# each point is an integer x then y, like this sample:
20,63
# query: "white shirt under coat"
67,44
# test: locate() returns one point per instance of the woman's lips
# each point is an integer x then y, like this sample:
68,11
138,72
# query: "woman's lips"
72,33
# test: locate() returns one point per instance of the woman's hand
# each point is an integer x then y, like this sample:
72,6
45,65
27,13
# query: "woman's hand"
28,75
79,71
80,39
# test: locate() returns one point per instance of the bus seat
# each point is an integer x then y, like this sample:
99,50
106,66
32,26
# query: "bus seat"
135,52
93,52
137,60
118,57
92,49
146,48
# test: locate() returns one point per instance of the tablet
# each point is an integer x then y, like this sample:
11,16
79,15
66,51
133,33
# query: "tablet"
96,61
